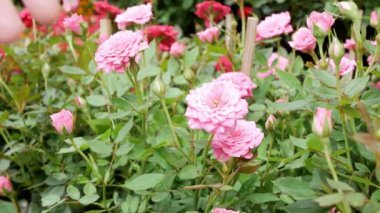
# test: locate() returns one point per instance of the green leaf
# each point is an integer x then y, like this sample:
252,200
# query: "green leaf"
330,199
72,70
148,71
50,199
159,196
187,4
295,187
144,182
355,199
258,198
174,93
73,192
304,206
88,199
89,189
122,134
124,149
339,185
355,86
302,143
189,172
7,207
101,147
315,143
290,106
325,78
289,79
191,57
96,100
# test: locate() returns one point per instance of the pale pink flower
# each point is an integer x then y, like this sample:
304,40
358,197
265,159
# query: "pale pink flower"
177,49
221,210
63,119
208,35
346,65
350,44
70,5
73,23
303,40
215,107
241,81
275,62
139,14
274,25
322,124
374,20
79,101
116,52
377,85
237,143
323,20
5,185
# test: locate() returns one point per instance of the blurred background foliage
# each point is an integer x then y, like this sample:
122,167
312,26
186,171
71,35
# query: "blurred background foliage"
181,12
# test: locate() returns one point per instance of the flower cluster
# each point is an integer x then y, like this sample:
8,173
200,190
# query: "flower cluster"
219,108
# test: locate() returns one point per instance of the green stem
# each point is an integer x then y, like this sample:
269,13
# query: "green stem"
83,156
241,7
269,154
9,92
346,144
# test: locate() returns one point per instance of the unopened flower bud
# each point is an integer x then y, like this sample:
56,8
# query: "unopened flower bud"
336,50
322,124
318,32
79,101
5,185
271,123
348,9
158,87
188,74
374,19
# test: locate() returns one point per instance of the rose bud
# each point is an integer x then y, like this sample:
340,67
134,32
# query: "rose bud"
63,120
336,50
158,87
322,124
5,185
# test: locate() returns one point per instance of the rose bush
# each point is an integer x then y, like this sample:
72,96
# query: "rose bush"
104,109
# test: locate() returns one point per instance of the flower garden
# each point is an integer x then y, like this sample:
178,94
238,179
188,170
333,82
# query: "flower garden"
107,109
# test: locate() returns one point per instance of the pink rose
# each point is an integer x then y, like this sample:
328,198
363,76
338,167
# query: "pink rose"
350,44
322,124
5,185
63,119
139,14
208,35
275,62
116,53
10,22
238,142
346,65
215,107
274,25
374,20
45,12
241,81
377,85
177,49
73,23
70,5
220,210
323,20
303,40
223,64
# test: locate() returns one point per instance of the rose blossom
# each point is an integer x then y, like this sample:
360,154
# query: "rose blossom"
323,20
240,81
215,107
102,8
346,65
208,35
177,49
207,9
63,119
5,185
70,5
274,25
26,18
374,20
73,23
220,210
275,61
165,34
237,143
303,40
115,53
139,14
322,124
223,64
350,44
